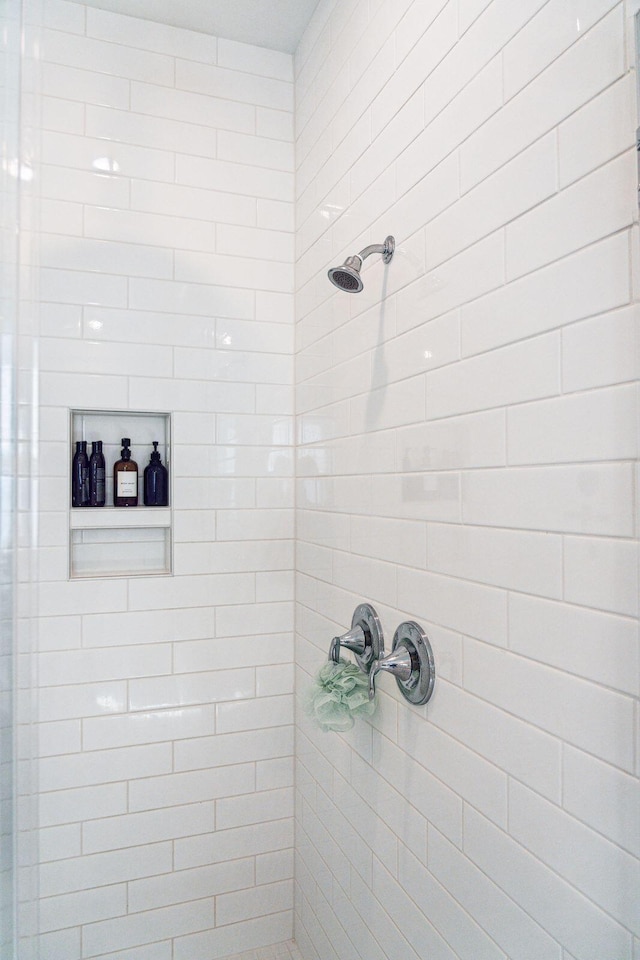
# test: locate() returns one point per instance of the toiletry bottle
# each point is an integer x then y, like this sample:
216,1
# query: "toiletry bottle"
96,475
125,478
156,481
80,476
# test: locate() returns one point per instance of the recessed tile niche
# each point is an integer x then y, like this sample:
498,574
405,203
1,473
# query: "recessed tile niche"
121,541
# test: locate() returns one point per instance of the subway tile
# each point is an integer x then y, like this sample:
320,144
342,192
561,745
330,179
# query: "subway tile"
588,643
109,58
189,885
604,798
458,605
258,60
104,766
82,803
523,371
107,156
154,132
205,590
552,431
170,921
583,71
255,714
197,655
225,845
474,440
174,200
76,286
251,241
81,700
247,935
594,865
520,749
259,901
190,107
547,35
469,775
582,713
275,124
583,499
254,808
68,82
234,85
189,689
265,152
530,562
561,909
62,115
611,113
234,177
455,925
602,574
152,627
471,274
489,905
122,226
147,35
238,747
61,15
102,869
151,826
57,843
194,787
82,907
601,351
189,297
583,213
496,201
591,281
85,666
89,187
101,733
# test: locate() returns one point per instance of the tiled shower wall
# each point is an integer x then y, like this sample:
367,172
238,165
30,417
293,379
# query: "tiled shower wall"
166,265
468,442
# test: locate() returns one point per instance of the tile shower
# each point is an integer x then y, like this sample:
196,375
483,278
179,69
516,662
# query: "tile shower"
464,454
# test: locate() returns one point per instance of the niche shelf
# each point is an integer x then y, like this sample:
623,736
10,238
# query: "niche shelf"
121,541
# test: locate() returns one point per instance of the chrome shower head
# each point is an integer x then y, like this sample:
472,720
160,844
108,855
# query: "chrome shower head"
347,277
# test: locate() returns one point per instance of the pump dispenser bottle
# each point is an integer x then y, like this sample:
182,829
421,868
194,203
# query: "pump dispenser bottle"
125,478
96,475
80,476
156,481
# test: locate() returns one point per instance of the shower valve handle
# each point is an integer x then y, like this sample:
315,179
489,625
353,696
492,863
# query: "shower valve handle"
353,639
397,663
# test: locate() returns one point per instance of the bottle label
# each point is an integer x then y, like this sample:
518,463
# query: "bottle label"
127,484
85,484
100,484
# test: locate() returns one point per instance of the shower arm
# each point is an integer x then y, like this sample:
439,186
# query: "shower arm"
386,249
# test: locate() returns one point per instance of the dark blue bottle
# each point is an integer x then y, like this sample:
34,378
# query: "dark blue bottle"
80,476
156,481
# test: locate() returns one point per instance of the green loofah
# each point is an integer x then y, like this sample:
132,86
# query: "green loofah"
340,693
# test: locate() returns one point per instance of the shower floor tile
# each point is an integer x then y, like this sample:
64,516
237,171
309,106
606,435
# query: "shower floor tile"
278,951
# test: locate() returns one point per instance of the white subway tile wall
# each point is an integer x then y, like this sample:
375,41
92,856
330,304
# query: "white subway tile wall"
468,433
166,280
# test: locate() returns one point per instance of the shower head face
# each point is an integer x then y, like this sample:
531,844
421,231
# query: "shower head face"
347,277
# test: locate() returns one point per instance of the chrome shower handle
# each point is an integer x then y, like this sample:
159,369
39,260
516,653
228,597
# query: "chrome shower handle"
365,638
398,663
410,662
353,639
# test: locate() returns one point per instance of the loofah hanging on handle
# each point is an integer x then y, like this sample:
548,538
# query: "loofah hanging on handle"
339,694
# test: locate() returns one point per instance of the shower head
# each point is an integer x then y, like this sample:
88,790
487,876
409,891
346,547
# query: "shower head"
347,276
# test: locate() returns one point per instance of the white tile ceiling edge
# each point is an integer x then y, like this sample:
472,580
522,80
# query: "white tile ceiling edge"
276,24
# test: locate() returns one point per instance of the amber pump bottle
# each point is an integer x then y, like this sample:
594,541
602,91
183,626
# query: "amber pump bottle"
125,478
